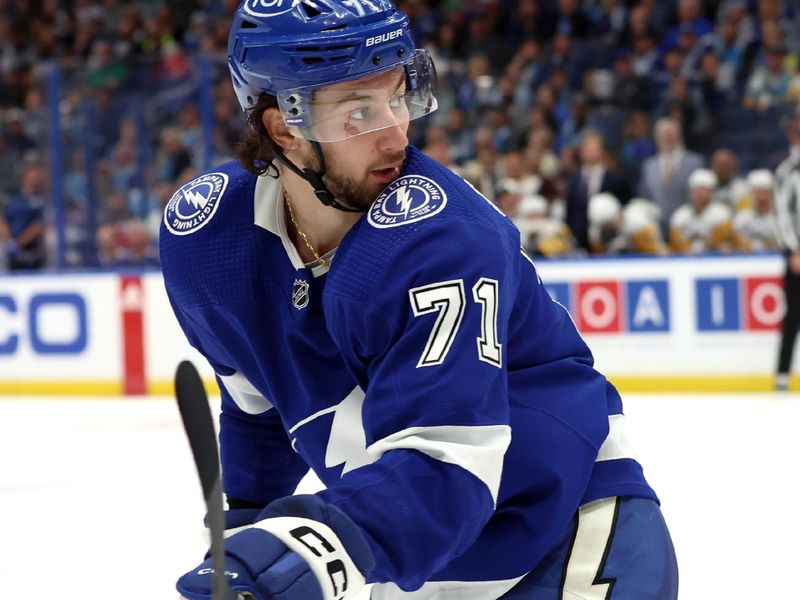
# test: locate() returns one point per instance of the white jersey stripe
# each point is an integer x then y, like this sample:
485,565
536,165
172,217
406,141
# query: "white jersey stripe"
617,444
478,449
246,396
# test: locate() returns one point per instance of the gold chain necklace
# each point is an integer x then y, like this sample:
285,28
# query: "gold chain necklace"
325,263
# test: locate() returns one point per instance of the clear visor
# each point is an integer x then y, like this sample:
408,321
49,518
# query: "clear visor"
350,108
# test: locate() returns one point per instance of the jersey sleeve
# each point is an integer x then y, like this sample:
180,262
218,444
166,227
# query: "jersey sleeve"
258,462
426,343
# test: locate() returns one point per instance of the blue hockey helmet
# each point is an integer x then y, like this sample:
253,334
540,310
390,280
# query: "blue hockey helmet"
293,49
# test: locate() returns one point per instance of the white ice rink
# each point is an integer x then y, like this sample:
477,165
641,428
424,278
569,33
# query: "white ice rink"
99,499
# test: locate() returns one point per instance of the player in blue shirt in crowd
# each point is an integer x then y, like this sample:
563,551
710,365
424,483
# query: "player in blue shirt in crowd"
371,316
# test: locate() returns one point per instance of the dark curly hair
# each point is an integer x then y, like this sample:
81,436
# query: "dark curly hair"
256,149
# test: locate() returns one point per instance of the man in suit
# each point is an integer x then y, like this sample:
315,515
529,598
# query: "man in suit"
665,176
593,178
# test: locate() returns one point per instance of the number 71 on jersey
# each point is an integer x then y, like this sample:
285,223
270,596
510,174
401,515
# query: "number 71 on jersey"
448,298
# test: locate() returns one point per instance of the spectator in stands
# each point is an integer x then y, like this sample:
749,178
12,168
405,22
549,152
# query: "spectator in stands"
712,85
729,44
78,249
785,17
594,178
572,19
688,107
24,221
567,55
104,70
637,145
172,156
507,201
137,249
107,243
191,128
125,174
645,55
160,193
690,19
439,150
17,141
631,91
734,14
665,176
8,175
481,170
518,177
532,70
533,20
731,190
539,155
573,127
701,225
115,209
769,83
609,21
755,228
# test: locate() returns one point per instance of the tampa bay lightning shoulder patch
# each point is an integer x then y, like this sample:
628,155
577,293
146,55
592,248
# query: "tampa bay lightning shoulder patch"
193,205
407,199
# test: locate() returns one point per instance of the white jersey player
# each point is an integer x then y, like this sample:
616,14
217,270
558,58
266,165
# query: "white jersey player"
756,227
701,225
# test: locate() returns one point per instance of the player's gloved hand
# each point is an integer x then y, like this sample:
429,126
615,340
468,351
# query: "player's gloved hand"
299,549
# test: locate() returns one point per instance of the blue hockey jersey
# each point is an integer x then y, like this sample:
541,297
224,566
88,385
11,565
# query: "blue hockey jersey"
428,379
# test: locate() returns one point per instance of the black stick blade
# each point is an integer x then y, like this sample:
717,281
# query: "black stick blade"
199,426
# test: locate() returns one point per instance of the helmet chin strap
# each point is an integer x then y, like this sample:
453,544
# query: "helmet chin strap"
314,178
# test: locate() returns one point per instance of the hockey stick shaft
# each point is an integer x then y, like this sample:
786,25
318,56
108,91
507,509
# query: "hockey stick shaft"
199,426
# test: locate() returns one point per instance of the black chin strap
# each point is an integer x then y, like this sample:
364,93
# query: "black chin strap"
314,178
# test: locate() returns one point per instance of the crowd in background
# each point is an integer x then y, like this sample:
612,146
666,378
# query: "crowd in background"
599,126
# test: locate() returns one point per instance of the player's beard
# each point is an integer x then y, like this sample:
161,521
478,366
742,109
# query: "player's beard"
353,189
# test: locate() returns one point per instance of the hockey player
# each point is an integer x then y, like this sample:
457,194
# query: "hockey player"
641,227
371,316
701,225
605,224
756,227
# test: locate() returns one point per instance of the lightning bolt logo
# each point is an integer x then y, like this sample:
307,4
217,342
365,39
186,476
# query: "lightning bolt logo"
409,199
195,199
404,199
194,204
348,441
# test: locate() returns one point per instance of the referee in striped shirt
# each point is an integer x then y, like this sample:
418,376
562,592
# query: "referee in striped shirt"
787,209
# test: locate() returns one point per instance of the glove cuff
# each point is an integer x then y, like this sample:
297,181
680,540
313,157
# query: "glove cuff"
321,548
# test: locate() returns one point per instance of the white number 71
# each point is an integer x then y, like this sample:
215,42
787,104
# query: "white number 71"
447,297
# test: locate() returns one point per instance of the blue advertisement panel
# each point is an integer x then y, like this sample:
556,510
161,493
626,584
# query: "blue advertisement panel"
718,305
648,306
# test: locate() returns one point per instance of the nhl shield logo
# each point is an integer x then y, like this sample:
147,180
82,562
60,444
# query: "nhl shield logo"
192,206
408,199
300,294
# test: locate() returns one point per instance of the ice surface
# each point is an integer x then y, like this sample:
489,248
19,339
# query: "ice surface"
99,499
